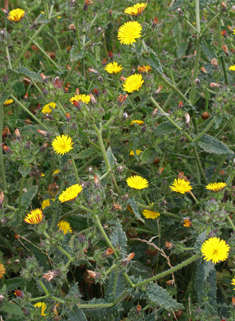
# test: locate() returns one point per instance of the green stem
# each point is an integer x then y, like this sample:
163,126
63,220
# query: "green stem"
70,72
205,130
21,191
113,267
44,288
218,168
3,175
8,57
26,47
57,299
77,33
47,10
27,111
220,47
197,11
45,54
57,42
165,273
64,252
199,164
68,263
39,298
231,222
75,170
95,306
210,23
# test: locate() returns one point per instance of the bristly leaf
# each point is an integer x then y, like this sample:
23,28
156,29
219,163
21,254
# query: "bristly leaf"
28,196
76,314
213,145
118,237
134,208
111,158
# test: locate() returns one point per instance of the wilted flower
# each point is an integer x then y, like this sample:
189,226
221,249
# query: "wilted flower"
145,69
187,222
50,275
128,259
1,199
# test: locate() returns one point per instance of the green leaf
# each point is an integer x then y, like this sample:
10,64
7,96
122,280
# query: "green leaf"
19,88
30,74
85,153
12,309
134,207
42,19
213,145
3,98
208,49
76,314
182,48
118,237
111,158
205,272
165,128
153,61
121,284
29,195
24,171
14,283
148,155
75,54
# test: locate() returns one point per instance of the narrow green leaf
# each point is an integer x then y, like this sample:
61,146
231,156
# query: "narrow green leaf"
134,208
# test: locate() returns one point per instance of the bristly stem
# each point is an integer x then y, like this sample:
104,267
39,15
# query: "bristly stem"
4,182
44,288
75,170
199,164
220,48
231,222
218,168
8,57
70,72
45,54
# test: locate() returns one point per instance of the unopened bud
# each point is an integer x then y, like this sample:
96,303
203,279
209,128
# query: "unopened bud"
214,84
1,199
1,297
168,245
68,116
197,81
156,92
93,274
17,133
42,132
122,78
127,259
93,100
143,129
94,71
4,79
225,49
187,117
214,62
138,309
170,283
132,71
125,115
154,22
72,27
100,79
224,6
108,252
180,12
233,8
44,146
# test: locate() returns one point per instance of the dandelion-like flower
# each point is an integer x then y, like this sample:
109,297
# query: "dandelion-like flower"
215,250
2,270
70,193
42,174
57,171
8,102
216,186
137,182
43,307
138,152
113,68
150,214
34,217
233,282
47,108
145,69
80,98
138,122
45,203
232,68
16,15
133,82
181,186
129,32
65,227
137,9
62,144
187,223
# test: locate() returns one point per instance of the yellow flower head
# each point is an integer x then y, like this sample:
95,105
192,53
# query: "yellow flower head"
57,171
45,203
216,186
62,144
70,193
65,227
46,109
137,182
232,68
16,15
145,69
129,32
113,68
138,151
43,307
136,9
42,174
181,186
150,214
187,223
80,98
133,82
2,270
34,217
233,282
138,122
215,250
8,102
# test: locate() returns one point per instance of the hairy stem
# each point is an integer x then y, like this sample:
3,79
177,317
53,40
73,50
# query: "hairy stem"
3,175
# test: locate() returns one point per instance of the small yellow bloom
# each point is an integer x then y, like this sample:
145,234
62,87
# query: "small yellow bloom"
34,217
2,270
145,69
70,193
42,174
41,305
138,122
216,186
150,214
65,227
45,203
133,82
8,102
215,250
46,109
187,223
138,152
233,282
129,32
137,9
80,98
56,171
16,15
113,68
137,182
181,186
232,68
62,144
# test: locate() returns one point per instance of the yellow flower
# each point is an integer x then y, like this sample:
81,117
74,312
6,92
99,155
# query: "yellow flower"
215,250
144,69
62,144
65,227
70,193
150,214
187,223
233,282
181,186
113,68
216,186
80,98
56,171
41,305
16,15
133,82
136,9
129,32
138,122
46,109
34,217
8,102
42,174
2,270
137,182
232,68
138,151
45,203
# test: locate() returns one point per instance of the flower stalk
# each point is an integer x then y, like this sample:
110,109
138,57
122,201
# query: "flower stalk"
4,182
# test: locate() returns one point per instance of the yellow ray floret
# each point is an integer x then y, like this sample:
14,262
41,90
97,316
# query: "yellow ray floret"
43,307
45,203
113,68
138,122
2,270
181,186
133,82
150,214
216,186
62,144
34,217
215,250
80,98
16,15
129,32
70,193
8,102
138,152
137,182
137,9
65,227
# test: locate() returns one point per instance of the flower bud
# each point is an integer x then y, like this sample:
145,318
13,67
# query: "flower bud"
168,245
93,100
127,259
205,115
1,200
1,297
187,118
214,84
4,79
138,309
17,133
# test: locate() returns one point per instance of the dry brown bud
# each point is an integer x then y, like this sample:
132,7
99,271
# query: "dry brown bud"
72,27
214,84
205,115
214,62
1,199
